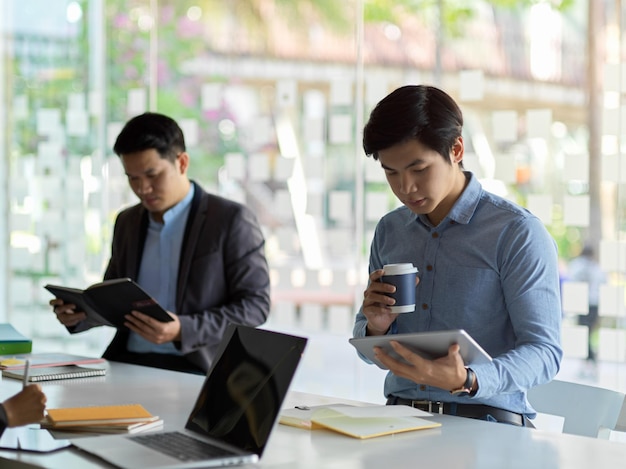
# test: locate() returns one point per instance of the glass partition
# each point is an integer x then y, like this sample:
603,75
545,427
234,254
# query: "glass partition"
272,97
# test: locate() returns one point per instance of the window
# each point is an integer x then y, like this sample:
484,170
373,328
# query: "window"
272,98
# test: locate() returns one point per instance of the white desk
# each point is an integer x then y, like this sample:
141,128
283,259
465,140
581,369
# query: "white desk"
459,443
168,394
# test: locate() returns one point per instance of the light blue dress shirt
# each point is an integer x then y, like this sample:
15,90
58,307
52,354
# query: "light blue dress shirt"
491,268
158,272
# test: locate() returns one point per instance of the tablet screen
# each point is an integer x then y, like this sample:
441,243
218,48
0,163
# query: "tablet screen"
31,439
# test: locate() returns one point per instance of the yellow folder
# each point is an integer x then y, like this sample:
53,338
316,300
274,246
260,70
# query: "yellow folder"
92,415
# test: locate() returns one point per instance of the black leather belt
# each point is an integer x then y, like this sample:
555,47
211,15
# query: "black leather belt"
473,411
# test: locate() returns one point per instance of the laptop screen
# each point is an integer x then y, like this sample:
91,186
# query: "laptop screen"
244,390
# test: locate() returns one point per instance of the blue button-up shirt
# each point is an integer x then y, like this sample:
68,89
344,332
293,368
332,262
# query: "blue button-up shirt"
158,272
491,268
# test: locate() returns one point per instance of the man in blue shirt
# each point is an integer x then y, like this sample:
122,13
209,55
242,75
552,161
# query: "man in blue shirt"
202,257
485,265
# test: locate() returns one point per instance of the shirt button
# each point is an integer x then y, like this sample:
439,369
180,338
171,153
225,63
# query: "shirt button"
435,235
424,306
429,268
422,387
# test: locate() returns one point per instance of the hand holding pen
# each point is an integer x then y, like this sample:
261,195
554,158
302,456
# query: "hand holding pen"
28,405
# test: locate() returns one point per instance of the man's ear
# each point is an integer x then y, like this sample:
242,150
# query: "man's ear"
458,148
183,162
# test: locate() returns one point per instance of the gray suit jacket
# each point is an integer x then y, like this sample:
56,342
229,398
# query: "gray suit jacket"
223,274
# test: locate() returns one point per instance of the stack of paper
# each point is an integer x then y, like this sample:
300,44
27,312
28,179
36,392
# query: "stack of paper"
156,423
125,418
358,421
40,360
49,366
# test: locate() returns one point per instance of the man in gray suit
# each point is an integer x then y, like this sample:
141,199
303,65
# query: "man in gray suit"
199,255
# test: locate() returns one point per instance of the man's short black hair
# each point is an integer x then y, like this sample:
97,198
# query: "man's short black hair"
419,112
151,131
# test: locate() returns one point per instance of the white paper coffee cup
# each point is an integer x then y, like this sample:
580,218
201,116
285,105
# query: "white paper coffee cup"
402,276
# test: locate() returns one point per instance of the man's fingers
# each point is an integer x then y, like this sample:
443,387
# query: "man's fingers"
71,319
401,350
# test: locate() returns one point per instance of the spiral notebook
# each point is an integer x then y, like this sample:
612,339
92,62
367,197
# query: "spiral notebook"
55,372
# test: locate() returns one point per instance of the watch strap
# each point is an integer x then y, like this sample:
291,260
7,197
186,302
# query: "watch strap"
466,389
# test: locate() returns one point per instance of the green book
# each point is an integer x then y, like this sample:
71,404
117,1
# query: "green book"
12,341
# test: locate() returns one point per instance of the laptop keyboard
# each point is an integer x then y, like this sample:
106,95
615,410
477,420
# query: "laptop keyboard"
180,446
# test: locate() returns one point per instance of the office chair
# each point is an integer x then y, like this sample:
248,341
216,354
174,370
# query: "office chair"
587,410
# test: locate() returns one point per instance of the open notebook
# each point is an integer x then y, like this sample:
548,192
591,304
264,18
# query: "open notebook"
358,421
234,413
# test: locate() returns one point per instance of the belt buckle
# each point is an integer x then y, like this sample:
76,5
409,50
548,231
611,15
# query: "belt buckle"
434,407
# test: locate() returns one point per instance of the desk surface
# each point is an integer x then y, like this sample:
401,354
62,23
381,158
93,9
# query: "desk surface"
459,442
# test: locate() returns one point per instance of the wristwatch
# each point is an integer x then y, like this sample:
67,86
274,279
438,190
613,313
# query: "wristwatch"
466,389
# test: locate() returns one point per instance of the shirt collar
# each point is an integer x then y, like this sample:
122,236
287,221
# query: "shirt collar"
179,208
465,206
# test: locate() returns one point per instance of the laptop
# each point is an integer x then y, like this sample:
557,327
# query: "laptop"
234,413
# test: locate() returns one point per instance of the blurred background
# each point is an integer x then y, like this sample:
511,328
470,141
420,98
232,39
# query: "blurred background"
272,96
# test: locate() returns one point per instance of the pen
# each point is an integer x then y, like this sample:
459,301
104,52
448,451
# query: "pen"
26,372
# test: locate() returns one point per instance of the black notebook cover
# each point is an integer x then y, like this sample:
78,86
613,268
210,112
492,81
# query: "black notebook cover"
109,301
